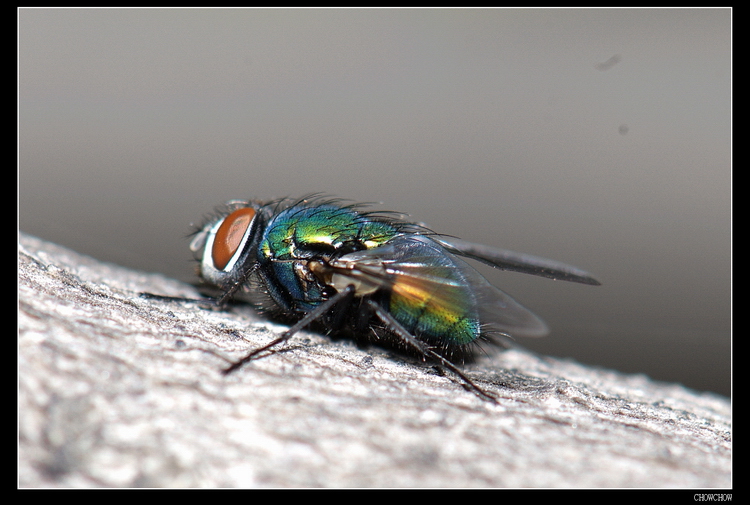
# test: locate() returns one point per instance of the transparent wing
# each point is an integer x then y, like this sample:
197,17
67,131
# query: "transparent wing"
421,271
516,262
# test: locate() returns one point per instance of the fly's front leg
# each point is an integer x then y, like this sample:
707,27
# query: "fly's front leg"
309,318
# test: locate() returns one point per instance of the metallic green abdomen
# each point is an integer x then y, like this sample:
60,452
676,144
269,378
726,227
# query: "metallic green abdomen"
430,297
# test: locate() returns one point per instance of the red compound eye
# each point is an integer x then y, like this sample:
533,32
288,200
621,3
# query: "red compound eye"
229,236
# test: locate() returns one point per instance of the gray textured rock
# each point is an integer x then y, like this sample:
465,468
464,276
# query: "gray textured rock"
120,390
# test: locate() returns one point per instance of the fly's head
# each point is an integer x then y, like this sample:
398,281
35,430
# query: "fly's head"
224,245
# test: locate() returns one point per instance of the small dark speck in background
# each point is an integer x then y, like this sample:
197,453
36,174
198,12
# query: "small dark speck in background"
614,60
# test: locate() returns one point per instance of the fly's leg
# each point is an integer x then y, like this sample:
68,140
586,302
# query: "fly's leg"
309,318
229,293
205,303
423,348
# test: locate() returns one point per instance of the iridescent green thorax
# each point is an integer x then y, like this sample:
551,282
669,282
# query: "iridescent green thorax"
299,232
314,231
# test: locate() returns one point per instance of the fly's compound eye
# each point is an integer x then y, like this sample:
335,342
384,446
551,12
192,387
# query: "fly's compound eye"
230,238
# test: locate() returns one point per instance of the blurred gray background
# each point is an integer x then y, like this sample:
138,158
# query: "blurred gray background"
596,137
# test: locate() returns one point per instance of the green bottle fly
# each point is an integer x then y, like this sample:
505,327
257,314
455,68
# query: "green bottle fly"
366,275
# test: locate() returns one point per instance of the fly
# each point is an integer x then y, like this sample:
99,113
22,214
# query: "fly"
365,275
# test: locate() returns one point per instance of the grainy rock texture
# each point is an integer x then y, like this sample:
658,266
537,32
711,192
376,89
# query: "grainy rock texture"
120,390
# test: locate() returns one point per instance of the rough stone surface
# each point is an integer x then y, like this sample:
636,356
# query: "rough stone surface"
117,390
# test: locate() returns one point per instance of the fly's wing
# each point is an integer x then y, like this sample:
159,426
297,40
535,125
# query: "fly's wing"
422,272
516,262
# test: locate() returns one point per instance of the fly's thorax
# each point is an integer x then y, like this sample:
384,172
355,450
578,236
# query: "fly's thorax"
303,248
309,231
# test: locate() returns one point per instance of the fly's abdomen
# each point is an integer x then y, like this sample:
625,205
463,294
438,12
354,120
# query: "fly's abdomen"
430,294
439,317
433,322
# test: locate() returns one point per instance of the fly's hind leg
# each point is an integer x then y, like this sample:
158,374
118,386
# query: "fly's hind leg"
409,339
